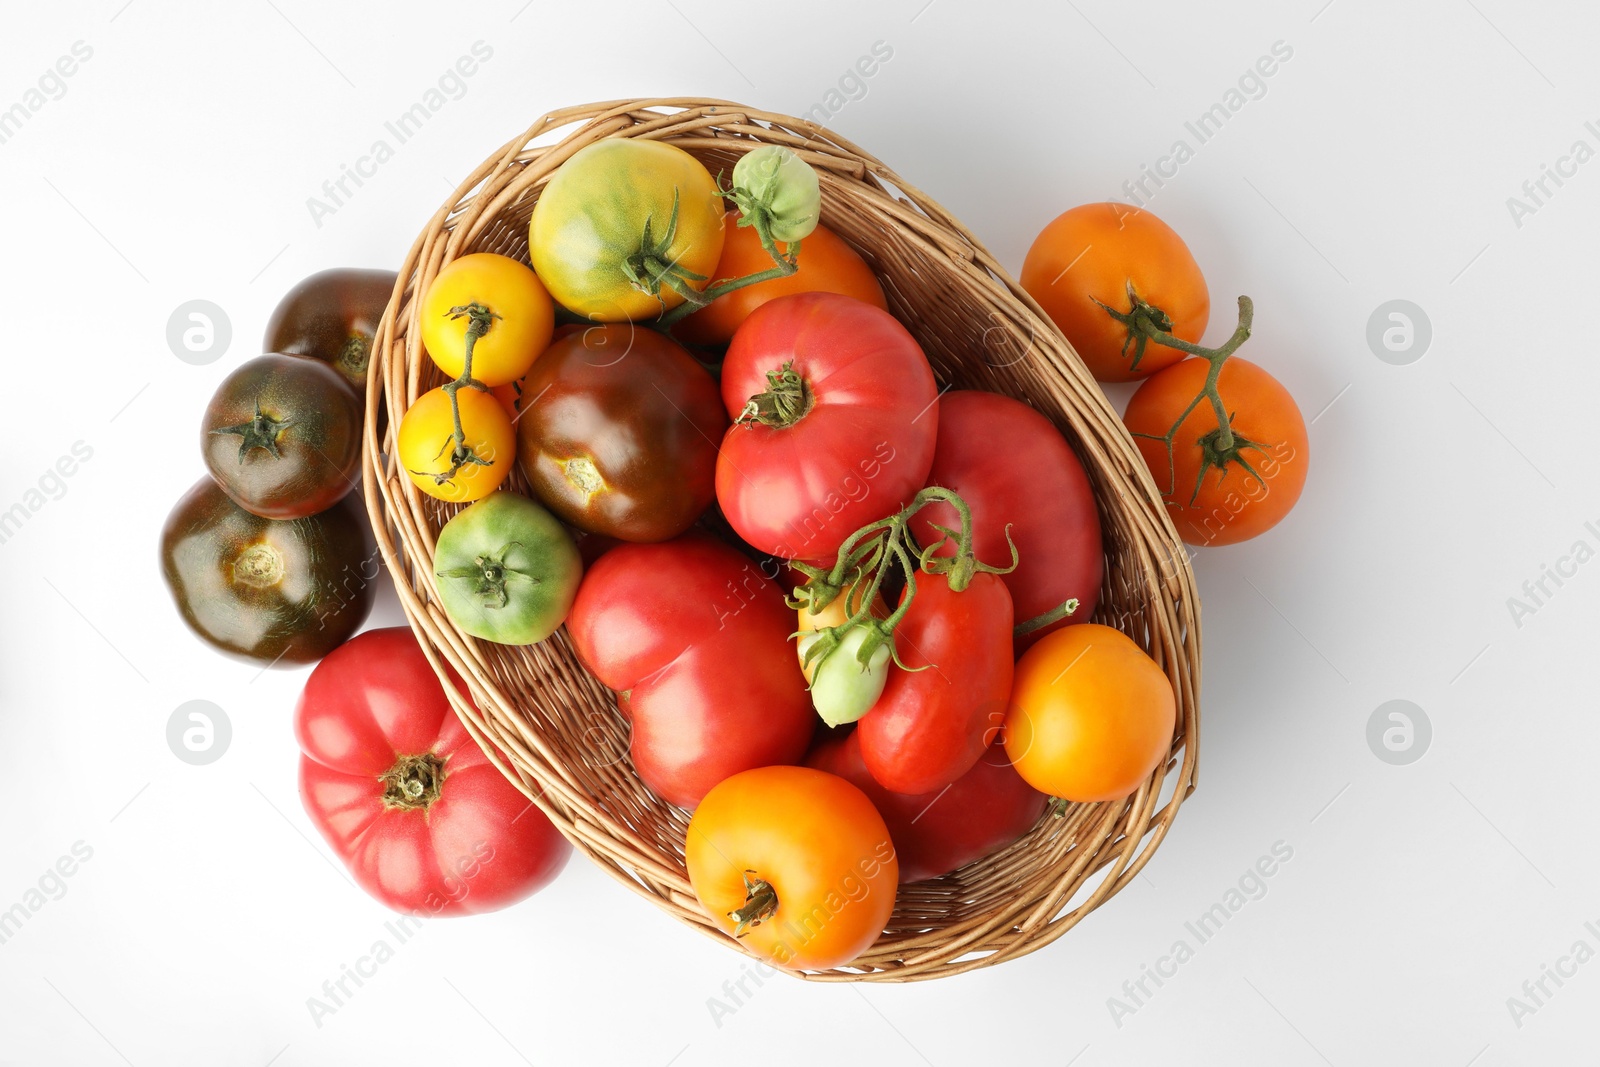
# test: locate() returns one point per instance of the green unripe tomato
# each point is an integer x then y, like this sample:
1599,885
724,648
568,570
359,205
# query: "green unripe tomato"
775,180
506,570
842,687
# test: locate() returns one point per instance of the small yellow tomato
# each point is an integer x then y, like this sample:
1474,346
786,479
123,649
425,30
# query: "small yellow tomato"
1091,714
439,467
520,317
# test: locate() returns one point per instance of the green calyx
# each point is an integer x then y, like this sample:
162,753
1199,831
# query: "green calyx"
787,399
489,575
260,431
1143,322
653,265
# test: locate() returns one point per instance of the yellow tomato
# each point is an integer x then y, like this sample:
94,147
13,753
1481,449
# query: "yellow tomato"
1091,714
428,450
519,330
591,219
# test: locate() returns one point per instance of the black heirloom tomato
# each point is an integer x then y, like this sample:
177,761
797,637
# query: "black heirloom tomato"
282,436
619,431
332,316
275,591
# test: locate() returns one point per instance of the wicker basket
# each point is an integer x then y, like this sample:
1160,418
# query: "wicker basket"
557,731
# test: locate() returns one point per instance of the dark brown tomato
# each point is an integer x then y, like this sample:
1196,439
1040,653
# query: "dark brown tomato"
332,316
282,436
277,592
619,431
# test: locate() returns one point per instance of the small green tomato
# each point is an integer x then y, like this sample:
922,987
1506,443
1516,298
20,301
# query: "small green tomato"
774,180
506,570
843,688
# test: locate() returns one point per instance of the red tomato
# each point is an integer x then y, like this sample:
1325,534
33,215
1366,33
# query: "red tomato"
930,726
826,265
696,639
1011,466
406,798
1213,498
979,813
854,439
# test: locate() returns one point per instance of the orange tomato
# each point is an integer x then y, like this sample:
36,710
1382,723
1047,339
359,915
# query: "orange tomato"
520,330
826,265
1216,499
426,440
802,856
1091,715
1094,252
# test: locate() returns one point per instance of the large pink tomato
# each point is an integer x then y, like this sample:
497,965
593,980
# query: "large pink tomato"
404,795
834,423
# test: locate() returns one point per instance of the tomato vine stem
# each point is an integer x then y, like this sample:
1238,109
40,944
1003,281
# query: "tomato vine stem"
479,318
783,265
1223,445
863,561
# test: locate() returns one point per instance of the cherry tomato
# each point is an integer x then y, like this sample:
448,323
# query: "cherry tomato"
333,316
279,592
1091,715
978,814
282,436
796,863
620,434
931,725
844,426
590,224
825,265
1218,497
427,447
523,317
1016,472
696,639
1094,253
403,794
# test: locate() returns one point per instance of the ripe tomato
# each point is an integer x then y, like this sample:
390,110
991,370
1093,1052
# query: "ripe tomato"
619,435
514,396
978,814
1095,252
590,224
332,316
506,570
282,436
931,725
426,442
794,862
404,795
519,331
845,429
278,592
1013,469
1091,715
826,265
1218,498
696,638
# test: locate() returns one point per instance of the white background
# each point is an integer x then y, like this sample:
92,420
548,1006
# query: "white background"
1376,166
